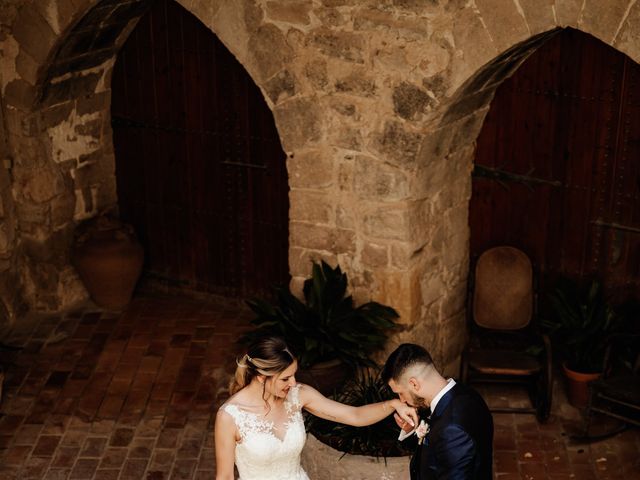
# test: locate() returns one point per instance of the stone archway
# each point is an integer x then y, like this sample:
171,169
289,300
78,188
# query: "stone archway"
377,107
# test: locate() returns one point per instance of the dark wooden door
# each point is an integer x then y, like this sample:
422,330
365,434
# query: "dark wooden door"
200,170
558,164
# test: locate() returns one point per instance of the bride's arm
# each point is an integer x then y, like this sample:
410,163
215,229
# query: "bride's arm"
319,405
225,443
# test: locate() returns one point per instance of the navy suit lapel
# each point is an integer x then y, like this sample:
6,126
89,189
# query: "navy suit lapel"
443,403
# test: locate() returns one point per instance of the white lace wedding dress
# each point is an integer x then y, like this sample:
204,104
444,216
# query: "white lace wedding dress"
261,454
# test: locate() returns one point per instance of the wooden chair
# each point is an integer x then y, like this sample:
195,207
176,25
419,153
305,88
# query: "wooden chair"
504,343
617,393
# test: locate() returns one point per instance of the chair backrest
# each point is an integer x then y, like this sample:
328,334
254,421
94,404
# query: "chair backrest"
503,289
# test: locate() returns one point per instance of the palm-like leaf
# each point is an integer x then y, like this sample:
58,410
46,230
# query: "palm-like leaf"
326,325
581,321
377,440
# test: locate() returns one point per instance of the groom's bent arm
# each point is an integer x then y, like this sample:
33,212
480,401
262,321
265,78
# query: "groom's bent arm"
455,453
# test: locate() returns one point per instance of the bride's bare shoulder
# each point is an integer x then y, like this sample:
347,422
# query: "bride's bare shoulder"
306,393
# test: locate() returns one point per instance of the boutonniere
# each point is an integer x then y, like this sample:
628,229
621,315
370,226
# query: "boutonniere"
422,431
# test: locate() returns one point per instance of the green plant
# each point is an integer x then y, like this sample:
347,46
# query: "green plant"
327,325
377,440
582,319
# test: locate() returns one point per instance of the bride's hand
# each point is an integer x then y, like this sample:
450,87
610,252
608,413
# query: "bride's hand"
405,412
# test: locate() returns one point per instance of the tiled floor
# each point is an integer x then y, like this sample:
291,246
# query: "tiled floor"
94,395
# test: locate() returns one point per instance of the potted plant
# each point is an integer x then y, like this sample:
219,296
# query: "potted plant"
582,319
334,450
328,333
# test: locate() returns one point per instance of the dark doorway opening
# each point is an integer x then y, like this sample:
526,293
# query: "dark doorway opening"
201,174
557,167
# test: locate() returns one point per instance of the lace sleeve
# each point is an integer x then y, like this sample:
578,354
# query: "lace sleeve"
293,399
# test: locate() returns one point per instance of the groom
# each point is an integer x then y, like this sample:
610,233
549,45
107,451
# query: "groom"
458,445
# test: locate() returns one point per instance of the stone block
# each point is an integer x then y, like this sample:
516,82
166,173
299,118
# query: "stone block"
316,72
71,88
398,144
468,104
62,209
42,184
301,259
603,19
34,34
28,68
20,94
539,15
346,46
628,39
330,17
345,216
346,176
310,169
97,102
381,18
409,101
32,217
400,290
311,207
388,223
375,180
316,237
269,50
299,123
402,255
358,83
567,12
52,116
474,47
454,300
375,255
59,14
281,86
71,290
53,249
504,22
295,12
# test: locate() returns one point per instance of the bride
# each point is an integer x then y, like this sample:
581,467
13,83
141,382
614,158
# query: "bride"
260,427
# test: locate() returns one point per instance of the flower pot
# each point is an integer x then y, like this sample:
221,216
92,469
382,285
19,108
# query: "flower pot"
322,461
578,386
109,260
325,376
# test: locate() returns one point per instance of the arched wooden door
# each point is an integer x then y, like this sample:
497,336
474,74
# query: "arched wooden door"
200,170
557,170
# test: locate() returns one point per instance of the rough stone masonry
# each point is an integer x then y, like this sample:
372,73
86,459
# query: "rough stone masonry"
377,104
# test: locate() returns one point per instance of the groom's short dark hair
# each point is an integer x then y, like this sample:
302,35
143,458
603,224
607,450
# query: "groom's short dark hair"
402,358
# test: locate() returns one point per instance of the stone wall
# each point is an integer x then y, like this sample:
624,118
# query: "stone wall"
378,104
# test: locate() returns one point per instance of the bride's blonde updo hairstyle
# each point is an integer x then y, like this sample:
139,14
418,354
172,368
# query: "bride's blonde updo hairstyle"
266,356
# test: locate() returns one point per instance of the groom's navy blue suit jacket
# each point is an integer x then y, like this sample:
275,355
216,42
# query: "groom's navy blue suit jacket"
459,445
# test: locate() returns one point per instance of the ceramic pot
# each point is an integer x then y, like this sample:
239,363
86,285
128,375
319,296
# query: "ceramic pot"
325,376
578,386
109,259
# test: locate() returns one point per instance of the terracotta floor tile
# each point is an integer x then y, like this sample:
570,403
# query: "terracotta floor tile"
46,445
94,447
121,437
84,469
183,469
113,458
65,457
134,394
134,469
57,474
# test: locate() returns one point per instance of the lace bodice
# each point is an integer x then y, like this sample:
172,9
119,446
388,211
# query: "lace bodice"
262,454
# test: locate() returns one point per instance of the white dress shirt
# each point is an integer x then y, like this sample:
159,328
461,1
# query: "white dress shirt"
450,384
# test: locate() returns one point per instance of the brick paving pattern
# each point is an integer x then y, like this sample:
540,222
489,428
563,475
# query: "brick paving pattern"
97,395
